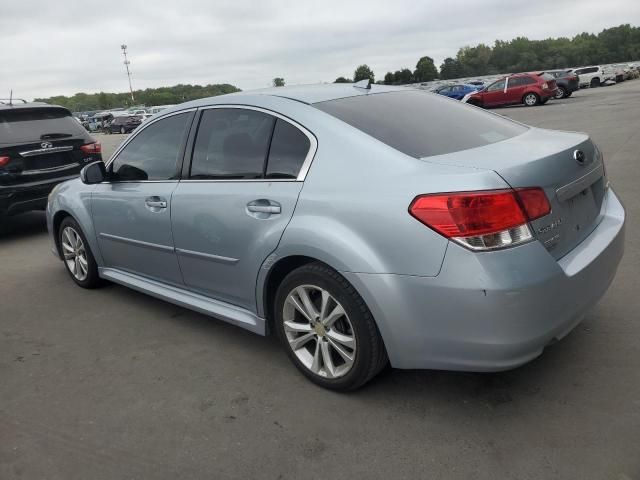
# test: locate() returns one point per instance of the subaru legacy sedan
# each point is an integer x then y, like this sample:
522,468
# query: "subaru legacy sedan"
348,220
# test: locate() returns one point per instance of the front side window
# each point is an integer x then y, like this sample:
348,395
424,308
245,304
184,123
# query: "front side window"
232,143
499,85
153,154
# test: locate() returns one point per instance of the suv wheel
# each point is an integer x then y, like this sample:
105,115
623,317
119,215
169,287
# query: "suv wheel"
326,328
77,255
595,82
561,92
531,99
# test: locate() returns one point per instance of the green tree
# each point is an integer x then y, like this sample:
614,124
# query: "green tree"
362,73
389,78
343,80
278,82
403,77
425,70
81,102
450,68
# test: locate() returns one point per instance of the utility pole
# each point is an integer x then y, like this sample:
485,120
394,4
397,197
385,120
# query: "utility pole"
126,64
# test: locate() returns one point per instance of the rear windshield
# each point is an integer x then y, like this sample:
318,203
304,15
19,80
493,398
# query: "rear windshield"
421,124
33,124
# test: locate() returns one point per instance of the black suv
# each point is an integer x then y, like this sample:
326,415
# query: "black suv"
567,82
40,146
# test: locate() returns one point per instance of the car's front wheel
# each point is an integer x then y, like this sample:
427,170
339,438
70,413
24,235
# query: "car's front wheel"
326,328
77,256
531,100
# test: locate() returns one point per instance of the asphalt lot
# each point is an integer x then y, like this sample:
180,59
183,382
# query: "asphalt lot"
111,383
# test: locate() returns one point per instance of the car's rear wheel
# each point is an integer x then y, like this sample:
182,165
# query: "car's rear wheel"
77,256
595,82
531,99
326,328
561,92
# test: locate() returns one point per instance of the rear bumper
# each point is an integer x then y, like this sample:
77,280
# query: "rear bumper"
29,196
493,311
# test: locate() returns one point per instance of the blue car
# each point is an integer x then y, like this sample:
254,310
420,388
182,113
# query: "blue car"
457,91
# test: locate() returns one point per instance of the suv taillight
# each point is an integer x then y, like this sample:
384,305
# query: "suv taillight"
483,220
91,148
4,160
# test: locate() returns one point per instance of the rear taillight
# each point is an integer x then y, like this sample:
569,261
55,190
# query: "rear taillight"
4,160
545,86
91,148
483,220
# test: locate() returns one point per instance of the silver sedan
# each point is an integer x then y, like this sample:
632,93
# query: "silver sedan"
362,224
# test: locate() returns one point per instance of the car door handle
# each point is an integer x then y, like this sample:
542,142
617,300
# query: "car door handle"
264,208
155,202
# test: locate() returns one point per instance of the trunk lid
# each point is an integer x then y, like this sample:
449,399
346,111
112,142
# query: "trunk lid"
548,159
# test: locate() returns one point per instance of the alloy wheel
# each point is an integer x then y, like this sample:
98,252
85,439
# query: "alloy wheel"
75,254
319,331
559,93
530,99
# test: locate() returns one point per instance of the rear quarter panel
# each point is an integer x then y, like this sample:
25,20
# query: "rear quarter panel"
353,208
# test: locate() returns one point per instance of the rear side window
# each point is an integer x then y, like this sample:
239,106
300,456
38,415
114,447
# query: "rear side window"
421,124
154,152
289,148
35,124
232,143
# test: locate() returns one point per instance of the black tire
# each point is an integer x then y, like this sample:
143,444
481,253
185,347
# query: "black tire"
123,130
370,356
568,94
595,82
92,279
561,92
544,101
531,99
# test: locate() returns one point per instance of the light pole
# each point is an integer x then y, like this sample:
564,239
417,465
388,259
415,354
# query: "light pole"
126,64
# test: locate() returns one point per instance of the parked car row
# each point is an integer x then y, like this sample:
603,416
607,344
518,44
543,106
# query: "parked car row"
532,88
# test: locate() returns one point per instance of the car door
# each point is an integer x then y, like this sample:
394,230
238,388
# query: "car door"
515,90
132,211
242,186
457,92
494,95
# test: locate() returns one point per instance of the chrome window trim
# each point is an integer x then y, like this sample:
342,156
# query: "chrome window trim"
302,174
306,164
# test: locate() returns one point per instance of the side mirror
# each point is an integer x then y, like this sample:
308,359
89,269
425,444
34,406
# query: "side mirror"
95,172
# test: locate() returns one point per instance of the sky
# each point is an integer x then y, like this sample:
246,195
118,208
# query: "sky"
60,48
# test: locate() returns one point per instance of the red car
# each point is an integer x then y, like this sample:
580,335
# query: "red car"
528,88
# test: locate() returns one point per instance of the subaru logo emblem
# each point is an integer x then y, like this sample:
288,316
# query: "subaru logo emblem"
579,157
46,145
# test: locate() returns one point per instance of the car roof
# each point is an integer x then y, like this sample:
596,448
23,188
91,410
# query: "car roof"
307,94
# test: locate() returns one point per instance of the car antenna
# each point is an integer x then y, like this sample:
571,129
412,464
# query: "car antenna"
364,84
